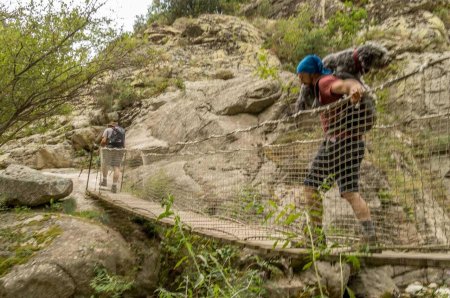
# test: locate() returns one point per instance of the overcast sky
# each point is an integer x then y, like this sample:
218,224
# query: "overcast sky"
123,12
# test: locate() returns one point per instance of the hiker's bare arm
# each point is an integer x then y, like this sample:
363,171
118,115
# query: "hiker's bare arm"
348,87
103,141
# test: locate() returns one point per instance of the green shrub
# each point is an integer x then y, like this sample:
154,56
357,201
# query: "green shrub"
158,186
298,36
116,92
264,8
343,27
264,69
108,284
20,244
40,126
179,83
202,267
167,11
3,204
443,12
250,203
92,215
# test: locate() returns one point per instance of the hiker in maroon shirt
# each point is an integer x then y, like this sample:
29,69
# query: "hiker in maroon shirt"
340,154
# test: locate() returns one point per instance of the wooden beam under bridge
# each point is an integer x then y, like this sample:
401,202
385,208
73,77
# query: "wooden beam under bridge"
240,234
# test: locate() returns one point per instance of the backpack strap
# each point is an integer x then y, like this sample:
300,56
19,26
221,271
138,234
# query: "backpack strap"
317,91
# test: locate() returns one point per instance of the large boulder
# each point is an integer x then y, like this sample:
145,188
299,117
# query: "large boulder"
25,186
39,280
197,112
244,96
34,153
404,276
375,282
67,251
425,92
83,138
53,156
381,10
331,277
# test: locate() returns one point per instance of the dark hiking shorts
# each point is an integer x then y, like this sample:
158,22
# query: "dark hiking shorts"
338,161
112,157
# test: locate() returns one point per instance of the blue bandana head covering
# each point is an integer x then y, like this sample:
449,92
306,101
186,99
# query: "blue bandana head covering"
312,64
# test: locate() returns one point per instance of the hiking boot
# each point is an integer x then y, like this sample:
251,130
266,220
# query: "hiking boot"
114,189
103,183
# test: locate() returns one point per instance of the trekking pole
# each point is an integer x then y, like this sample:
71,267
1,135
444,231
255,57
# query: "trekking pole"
81,170
123,169
96,178
98,162
89,170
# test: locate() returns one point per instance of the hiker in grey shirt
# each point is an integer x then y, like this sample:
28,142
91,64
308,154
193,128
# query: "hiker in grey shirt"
113,143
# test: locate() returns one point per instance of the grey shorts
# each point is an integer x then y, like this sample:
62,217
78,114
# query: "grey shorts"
338,161
112,157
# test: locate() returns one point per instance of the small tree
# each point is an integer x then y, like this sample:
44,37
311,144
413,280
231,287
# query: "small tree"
48,56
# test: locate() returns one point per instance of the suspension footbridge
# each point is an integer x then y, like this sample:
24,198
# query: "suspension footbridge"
246,186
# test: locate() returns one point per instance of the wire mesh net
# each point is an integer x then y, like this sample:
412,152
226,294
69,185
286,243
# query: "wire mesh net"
256,182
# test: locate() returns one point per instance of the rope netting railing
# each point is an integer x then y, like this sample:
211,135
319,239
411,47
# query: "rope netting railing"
259,182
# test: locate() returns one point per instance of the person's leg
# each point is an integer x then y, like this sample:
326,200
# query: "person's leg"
315,213
116,162
359,206
362,213
116,176
349,186
313,181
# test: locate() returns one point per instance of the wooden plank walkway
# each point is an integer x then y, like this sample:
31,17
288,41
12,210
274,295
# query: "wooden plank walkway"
257,237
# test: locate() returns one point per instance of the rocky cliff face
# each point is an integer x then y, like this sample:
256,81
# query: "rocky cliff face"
214,59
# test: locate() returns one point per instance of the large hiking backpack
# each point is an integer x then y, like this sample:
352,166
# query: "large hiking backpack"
352,119
117,138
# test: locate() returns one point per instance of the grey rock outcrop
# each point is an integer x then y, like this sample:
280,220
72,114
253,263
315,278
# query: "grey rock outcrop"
375,282
287,8
420,32
24,186
53,156
66,266
242,97
331,276
39,280
83,138
381,10
199,112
